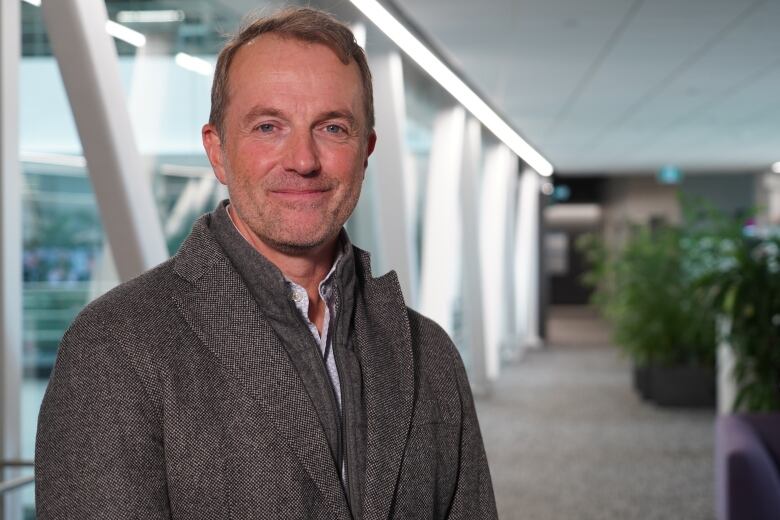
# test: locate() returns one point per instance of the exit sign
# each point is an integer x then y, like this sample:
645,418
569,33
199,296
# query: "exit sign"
669,175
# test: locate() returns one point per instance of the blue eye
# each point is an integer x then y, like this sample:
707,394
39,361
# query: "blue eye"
265,127
334,129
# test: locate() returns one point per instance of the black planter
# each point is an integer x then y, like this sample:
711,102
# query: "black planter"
676,385
641,378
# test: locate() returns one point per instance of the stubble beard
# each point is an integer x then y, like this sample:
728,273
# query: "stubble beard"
275,224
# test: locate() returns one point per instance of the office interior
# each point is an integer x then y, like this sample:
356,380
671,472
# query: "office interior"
510,133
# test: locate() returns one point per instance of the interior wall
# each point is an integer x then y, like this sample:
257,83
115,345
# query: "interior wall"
565,222
734,194
637,200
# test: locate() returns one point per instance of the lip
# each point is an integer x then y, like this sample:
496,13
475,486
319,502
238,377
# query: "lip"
299,194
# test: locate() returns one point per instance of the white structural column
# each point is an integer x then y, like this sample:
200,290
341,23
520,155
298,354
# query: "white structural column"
451,277
527,261
727,384
770,182
90,71
472,306
10,247
441,256
391,170
498,199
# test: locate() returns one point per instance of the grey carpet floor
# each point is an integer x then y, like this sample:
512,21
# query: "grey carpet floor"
567,437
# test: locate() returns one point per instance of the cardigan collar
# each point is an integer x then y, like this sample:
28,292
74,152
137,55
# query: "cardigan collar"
264,279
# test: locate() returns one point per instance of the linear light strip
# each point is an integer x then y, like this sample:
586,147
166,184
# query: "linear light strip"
194,64
156,16
125,34
442,74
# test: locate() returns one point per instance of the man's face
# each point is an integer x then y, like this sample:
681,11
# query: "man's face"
295,145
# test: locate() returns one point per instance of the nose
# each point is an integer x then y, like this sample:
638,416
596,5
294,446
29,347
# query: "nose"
301,155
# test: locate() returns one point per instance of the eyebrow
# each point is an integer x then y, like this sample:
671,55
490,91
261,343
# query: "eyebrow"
261,111
340,114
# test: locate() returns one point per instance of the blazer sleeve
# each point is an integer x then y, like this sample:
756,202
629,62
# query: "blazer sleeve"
99,450
473,497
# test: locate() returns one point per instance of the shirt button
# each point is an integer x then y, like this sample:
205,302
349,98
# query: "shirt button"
297,296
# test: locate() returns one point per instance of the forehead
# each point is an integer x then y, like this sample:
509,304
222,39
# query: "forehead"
278,65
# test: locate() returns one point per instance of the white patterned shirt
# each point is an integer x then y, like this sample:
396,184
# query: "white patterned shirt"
324,340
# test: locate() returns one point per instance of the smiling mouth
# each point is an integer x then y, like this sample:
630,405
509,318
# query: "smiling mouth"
299,194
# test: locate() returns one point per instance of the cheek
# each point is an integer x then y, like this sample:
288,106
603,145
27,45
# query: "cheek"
345,163
252,164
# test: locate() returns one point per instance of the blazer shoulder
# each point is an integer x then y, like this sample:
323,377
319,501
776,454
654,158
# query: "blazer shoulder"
144,288
140,309
426,327
130,329
433,346
426,331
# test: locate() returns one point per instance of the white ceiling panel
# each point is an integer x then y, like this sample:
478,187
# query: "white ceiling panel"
624,85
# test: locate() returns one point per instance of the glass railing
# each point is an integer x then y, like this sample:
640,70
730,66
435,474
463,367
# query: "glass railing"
17,482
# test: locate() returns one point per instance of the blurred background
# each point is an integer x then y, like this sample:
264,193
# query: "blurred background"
584,193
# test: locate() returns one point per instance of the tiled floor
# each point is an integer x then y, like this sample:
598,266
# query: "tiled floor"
567,438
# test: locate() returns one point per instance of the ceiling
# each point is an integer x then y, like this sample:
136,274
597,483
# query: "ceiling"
623,86
604,86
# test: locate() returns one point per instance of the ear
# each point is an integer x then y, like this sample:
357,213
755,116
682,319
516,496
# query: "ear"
370,145
213,146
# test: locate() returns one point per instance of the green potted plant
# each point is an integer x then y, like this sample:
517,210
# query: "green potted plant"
745,287
647,289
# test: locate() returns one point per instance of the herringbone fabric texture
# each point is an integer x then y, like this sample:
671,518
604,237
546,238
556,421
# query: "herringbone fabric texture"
173,398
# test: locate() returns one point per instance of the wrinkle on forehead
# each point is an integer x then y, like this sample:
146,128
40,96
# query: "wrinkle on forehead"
296,71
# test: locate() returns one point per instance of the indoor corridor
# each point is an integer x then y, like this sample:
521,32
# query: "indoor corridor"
530,156
567,437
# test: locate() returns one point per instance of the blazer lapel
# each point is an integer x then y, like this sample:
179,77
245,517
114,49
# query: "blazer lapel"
383,339
222,312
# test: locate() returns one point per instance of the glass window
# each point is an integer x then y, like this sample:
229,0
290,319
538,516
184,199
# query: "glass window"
66,260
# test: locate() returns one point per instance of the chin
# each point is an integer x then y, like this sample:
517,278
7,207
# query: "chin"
301,242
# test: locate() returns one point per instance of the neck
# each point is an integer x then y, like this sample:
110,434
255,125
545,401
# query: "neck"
307,269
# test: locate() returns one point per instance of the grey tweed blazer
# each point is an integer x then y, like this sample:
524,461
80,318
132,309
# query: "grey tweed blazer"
172,397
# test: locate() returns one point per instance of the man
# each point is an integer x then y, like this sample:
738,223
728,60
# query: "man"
262,372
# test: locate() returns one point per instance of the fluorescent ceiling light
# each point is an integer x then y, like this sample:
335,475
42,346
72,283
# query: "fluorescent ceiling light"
54,159
194,64
776,167
36,3
162,16
125,34
428,61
